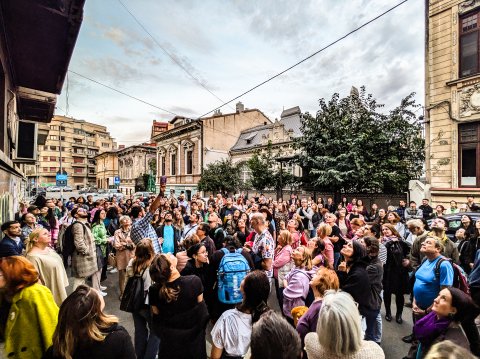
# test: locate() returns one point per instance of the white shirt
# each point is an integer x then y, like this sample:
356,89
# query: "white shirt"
232,332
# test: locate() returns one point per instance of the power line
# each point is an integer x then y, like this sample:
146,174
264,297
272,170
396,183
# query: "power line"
123,93
173,58
306,58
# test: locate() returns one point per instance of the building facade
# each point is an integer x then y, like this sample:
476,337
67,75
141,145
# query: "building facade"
184,150
452,102
36,45
106,170
279,136
134,162
72,145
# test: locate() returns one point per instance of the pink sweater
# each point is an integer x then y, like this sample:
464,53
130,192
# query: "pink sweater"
282,257
328,250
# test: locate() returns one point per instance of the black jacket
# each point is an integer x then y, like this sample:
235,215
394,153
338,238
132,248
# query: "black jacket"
117,345
176,236
357,283
218,236
375,274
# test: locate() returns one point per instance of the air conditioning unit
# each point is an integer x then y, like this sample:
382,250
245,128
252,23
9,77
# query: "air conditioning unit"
26,142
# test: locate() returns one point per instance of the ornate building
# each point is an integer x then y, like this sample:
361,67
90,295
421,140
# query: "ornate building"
106,168
134,162
184,150
280,135
452,99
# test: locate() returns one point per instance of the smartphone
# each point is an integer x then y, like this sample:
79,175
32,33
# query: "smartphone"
163,180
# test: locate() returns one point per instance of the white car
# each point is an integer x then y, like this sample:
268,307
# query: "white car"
53,189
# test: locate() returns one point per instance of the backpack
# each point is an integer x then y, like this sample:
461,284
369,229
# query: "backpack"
68,242
460,280
231,271
134,295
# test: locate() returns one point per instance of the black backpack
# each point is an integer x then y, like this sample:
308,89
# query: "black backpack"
134,295
68,243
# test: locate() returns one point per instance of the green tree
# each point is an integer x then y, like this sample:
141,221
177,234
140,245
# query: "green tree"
265,171
221,176
350,146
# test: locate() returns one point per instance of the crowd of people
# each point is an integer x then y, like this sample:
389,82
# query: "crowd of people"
188,266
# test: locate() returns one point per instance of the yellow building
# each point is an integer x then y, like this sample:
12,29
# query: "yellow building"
106,165
73,145
452,100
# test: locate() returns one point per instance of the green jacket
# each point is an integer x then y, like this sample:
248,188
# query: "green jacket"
32,319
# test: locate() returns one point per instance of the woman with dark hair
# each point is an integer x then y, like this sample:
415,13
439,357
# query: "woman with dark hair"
242,231
112,220
85,331
28,313
81,203
99,233
281,214
199,265
354,280
382,217
146,342
48,220
395,275
317,247
344,224
468,224
232,331
180,314
394,219
450,308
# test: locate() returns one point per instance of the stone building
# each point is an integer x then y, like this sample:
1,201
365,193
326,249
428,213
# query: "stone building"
133,163
36,44
76,143
279,134
184,150
106,169
452,99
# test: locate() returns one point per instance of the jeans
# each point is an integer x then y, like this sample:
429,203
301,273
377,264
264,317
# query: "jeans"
279,292
146,342
336,259
371,320
377,336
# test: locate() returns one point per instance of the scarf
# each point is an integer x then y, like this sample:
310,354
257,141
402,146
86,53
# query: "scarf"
428,328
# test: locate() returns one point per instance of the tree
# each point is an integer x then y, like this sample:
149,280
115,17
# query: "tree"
265,171
350,146
221,176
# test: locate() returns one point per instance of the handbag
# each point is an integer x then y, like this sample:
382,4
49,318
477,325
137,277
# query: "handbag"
112,260
134,296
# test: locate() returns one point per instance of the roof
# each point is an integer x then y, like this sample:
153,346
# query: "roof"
253,137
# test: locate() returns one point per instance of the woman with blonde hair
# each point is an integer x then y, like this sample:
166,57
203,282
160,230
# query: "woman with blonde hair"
325,279
85,331
323,232
48,263
282,263
146,342
297,281
125,248
180,314
339,332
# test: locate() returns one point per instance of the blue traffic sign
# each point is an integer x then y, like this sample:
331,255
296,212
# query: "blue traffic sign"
116,180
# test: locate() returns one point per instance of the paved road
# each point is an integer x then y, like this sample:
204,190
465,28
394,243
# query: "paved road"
392,345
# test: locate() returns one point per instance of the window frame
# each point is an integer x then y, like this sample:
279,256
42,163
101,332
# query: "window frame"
462,145
173,164
463,34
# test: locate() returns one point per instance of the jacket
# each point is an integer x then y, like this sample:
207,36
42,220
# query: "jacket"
8,247
32,322
296,291
84,258
357,283
375,275
176,236
415,256
413,214
449,249
117,345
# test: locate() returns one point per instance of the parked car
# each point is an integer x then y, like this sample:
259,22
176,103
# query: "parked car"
454,222
53,189
142,194
40,191
67,189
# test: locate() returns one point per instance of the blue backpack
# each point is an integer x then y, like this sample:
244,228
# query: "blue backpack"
231,271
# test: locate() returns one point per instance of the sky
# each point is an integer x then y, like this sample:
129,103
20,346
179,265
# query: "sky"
230,46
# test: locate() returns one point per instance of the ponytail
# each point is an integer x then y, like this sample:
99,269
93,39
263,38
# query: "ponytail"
259,310
160,272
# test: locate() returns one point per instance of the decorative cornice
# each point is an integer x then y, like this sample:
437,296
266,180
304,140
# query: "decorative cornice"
468,5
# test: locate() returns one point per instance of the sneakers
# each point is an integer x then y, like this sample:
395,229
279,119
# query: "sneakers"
114,270
103,294
408,339
109,267
102,287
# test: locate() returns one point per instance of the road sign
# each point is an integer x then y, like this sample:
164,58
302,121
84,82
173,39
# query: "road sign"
116,180
61,179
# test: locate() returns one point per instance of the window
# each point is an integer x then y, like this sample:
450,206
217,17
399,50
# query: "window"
78,160
45,158
53,169
53,158
469,42
53,137
162,159
45,169
78,131
91,143
469,153
104,144
77,140
189,162
173,164
53,127
78,170
53,148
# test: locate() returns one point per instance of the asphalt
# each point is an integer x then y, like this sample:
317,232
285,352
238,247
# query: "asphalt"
392,344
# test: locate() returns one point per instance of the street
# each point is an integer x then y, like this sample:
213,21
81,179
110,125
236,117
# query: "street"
392,344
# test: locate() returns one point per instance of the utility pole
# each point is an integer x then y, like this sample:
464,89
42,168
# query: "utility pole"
60,150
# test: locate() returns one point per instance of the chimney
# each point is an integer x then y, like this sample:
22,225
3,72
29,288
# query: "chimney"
240,107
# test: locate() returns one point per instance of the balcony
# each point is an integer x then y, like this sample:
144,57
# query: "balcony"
74,154
78,164
76,144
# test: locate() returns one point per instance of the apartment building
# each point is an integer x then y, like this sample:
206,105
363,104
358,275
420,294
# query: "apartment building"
71,146
106,170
